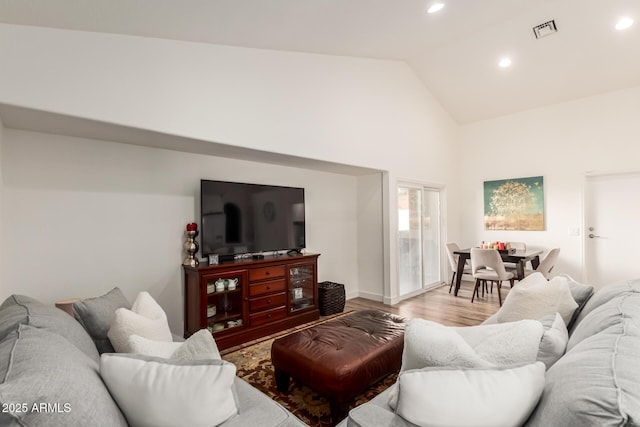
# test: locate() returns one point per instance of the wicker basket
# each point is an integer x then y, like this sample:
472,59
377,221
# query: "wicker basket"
332,298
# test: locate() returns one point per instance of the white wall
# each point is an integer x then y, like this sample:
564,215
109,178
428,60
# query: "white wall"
562,143
348,110
82,216
370,238
354,111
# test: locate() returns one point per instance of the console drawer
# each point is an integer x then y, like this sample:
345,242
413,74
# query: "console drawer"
267,316
270,301
270,287
263,273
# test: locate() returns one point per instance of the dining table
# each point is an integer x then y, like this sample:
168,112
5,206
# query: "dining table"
518,257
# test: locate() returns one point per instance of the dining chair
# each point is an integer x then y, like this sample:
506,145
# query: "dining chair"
546,265
487,265
518,246
453,260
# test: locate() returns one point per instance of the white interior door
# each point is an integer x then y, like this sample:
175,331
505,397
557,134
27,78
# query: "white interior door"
419,239
612,228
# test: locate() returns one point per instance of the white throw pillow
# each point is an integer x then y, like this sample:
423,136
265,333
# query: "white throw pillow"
470,397
535,278
198,346
147,347
146,319
159,392
534,299
554,340
505,344
432,344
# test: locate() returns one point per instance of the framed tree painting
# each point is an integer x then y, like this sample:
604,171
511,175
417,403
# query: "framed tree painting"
514,204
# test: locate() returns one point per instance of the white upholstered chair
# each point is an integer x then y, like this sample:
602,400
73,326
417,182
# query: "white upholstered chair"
487,265
546,265
453,260
518,246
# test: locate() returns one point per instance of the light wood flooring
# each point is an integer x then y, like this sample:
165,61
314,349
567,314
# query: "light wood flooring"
437,305
440,306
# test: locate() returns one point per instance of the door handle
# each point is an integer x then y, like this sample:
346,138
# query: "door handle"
593,236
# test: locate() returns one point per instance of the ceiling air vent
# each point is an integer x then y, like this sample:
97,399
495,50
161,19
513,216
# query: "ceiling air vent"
546,29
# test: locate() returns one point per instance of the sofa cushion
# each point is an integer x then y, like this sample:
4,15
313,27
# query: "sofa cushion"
596,381
614,311
257,409
491,397
159,392
96,315
146,319
54,382
14,312
603,296
369,415
19,309
534,298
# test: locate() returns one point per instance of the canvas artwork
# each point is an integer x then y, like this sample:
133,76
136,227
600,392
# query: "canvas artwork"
514,204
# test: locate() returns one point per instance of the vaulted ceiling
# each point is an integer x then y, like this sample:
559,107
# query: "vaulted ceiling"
455,52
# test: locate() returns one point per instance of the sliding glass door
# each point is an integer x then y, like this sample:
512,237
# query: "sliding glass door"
419,241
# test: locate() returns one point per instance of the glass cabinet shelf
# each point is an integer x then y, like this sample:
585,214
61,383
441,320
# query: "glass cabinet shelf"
301,287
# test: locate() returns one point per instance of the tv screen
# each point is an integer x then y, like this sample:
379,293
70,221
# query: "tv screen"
239,218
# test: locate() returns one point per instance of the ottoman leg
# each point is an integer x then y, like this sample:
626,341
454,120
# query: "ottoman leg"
282,380
339,411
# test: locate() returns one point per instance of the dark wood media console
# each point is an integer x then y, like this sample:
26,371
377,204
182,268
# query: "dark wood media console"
246,299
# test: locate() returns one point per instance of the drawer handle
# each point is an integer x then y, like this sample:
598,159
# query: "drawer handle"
268,287
268,273
268,316
268,301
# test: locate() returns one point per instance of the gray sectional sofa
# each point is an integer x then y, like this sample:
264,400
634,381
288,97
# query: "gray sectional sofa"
49,375
595,383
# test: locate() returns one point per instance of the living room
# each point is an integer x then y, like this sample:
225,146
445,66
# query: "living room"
97,122
105,136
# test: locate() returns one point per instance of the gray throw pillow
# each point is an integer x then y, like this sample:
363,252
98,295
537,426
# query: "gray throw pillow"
96,316
49,382
21,310
581,294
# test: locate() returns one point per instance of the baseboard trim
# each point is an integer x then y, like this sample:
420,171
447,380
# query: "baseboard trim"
371,296
352,295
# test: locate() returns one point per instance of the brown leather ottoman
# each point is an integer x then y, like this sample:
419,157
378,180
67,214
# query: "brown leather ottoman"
341,358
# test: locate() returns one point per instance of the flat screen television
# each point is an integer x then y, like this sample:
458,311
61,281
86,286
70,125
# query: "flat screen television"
238,218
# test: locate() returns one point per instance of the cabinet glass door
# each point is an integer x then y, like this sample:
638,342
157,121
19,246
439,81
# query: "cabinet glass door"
224,302
301,289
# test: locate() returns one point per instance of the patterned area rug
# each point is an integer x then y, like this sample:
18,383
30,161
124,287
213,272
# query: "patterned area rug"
254,366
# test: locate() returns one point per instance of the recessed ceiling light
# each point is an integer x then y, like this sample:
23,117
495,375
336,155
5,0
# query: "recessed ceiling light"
504,63
435,7
624,23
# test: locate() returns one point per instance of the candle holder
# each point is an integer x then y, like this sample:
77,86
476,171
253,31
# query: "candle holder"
191,247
